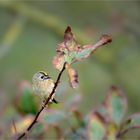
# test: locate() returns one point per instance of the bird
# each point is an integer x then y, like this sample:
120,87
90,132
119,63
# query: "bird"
43,85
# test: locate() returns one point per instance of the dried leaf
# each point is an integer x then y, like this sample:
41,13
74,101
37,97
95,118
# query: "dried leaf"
70,51
22,124
66,50
87,50
58,61
96,127
68,36
116,105
73,76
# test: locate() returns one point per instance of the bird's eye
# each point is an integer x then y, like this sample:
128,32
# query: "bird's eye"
42,77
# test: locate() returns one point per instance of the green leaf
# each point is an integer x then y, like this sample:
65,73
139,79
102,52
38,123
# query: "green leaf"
69,56
38,130
83,54
103,111
79,134
27,103
97,127
133,122
53,116
116,105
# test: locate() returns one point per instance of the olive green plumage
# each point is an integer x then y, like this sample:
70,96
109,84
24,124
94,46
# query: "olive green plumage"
43,85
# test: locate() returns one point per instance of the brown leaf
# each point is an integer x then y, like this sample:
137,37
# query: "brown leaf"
68,38
73,76
105,39
22,124
66,50
70,51
87,50
58,62
68,34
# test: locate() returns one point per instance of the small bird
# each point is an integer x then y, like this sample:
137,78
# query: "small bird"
43,86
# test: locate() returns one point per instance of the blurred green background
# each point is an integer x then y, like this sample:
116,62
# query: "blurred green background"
30,32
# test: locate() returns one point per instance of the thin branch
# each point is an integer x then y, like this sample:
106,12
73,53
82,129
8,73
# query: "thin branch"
46,103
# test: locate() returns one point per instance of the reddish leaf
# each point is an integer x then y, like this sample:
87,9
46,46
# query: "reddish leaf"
73,76
87,50
58,61
68,34
70,51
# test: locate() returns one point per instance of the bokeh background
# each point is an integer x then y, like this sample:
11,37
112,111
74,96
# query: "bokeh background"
30,32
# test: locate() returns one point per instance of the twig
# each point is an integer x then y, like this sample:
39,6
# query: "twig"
46,103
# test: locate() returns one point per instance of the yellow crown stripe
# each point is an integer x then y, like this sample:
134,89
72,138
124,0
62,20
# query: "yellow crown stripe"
44,73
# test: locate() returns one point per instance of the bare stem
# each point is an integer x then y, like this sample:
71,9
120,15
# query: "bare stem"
43,107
